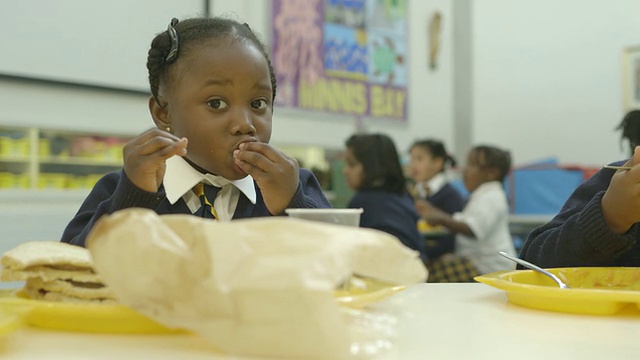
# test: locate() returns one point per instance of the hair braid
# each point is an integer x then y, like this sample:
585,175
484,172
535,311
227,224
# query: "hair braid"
156,61
195,31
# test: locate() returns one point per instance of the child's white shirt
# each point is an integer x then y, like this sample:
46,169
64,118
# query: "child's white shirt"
180,178
487,214
437,182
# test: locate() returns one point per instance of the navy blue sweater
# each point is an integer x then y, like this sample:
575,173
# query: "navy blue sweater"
578,234
447,199
392,213
115,191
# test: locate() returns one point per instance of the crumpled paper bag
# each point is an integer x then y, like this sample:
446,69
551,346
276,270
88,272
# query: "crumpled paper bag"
260,286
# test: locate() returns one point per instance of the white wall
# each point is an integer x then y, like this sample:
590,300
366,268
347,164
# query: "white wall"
87,41
62,107
547,77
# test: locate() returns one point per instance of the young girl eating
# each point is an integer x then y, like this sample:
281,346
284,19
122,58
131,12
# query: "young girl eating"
213,88
428,162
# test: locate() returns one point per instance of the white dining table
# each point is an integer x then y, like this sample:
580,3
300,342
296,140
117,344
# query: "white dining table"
434,321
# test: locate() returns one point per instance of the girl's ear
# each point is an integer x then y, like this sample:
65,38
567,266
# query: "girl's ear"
159,114
439,162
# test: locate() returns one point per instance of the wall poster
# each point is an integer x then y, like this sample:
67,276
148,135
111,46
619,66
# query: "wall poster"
341,56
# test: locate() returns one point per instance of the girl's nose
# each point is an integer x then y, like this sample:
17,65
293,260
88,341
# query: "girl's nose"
242,123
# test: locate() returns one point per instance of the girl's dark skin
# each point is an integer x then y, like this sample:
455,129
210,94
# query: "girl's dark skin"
217,102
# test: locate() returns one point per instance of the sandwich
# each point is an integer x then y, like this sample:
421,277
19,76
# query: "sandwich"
54,271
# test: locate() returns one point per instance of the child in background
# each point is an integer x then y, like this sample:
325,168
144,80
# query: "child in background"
372,169
630,129
428,163
482,228
213,88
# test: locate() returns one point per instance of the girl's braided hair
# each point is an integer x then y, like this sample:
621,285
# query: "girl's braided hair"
181,36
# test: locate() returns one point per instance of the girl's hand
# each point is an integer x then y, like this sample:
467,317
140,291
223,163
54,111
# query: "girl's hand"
429,213
145,156
621,203
275,173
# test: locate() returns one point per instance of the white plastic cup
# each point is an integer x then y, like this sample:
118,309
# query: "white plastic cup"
349,217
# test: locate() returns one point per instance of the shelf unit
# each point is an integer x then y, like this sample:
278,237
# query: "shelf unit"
38,158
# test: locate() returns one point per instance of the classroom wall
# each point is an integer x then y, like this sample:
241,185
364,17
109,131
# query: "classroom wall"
547,76
541,77
57,106
430,101
544,77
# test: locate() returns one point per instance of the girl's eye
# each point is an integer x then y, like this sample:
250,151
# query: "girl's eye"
217,104
259,104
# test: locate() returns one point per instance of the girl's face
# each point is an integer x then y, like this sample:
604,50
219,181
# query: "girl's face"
219,96
475,172
423,165
353,171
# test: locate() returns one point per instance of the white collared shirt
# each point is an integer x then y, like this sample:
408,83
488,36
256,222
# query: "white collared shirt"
487,214
180,178
436,183
432,186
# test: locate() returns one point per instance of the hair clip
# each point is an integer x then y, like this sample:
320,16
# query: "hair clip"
173,35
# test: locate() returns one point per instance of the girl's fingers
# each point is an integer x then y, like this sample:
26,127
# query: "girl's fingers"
161,147
152,133
254,171
267,151
252,160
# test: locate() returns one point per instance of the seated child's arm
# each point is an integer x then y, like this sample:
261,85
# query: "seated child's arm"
435,216
144,166
579,234
112,192
309,193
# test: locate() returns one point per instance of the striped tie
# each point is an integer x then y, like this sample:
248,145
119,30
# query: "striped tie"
206,209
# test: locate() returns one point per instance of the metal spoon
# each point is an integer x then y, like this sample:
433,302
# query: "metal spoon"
536,268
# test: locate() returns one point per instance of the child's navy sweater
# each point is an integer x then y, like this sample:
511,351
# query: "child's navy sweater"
115,191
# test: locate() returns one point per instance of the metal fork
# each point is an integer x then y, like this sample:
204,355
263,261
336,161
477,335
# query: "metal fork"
614,167
536,268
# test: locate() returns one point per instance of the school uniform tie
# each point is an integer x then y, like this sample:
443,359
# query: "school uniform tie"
205,193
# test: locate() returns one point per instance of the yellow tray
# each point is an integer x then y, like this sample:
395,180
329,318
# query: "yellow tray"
85,317
9,321
16,308
368,292
594,290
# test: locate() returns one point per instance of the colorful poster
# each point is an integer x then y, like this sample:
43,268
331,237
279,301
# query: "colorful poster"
341,56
